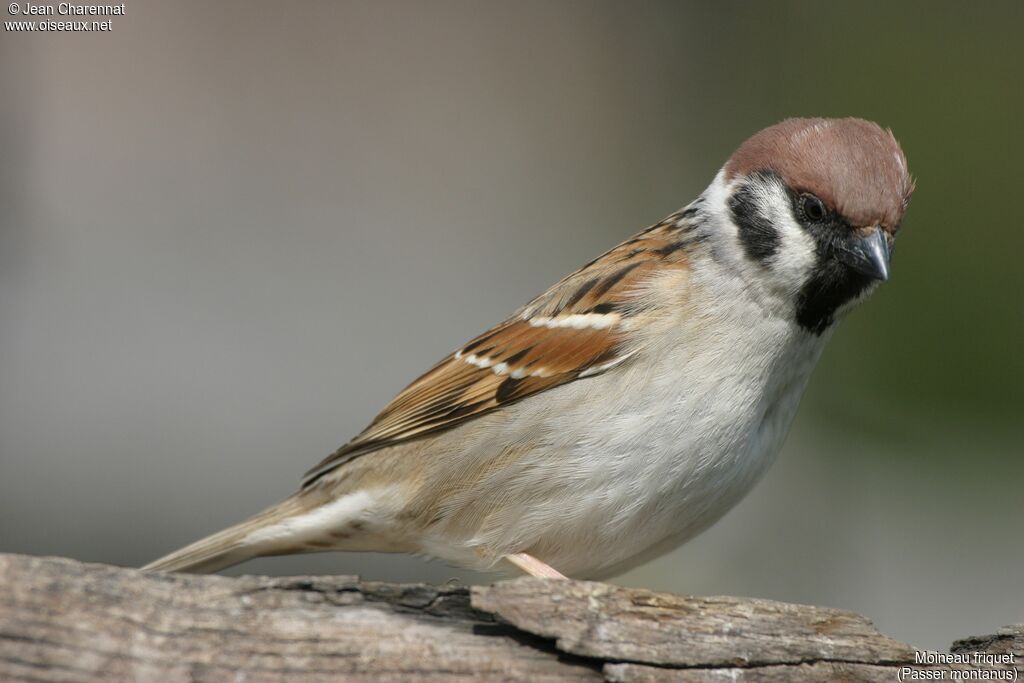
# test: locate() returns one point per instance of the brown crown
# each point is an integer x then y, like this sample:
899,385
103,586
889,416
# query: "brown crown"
854,166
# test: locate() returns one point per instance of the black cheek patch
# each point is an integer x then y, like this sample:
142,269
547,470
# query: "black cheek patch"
760,239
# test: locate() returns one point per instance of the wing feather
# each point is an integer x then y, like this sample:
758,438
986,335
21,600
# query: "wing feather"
578,328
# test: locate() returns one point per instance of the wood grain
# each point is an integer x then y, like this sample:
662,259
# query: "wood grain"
66,621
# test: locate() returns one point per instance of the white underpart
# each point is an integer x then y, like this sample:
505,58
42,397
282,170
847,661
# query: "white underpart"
629,463
320,521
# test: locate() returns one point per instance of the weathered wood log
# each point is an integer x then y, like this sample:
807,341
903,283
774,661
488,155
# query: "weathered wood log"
66,621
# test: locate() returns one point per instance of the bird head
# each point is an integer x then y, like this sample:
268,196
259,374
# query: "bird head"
812,208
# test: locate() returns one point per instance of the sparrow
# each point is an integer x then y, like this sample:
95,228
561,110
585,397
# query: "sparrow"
632,404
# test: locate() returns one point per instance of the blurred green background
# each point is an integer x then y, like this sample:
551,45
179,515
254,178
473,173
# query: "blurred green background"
230,232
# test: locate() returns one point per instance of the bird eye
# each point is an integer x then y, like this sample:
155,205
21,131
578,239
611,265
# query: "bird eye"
812,208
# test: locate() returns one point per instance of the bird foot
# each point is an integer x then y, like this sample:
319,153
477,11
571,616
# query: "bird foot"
534,567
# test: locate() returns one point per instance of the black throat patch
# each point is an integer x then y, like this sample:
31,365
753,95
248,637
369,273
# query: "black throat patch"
831,283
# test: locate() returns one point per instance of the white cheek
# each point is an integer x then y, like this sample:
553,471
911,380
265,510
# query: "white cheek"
787,270
796,257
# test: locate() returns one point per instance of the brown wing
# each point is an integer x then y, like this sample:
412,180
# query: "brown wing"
576,329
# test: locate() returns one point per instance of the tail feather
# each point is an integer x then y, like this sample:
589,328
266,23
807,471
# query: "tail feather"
231,546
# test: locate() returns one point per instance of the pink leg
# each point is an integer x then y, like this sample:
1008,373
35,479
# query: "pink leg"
534,567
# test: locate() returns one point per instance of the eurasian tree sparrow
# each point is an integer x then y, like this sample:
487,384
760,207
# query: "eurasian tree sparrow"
631,405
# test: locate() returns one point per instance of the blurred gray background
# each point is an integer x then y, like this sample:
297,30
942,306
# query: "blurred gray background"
230,232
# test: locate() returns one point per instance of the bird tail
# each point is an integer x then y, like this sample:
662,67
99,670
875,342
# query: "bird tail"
236,544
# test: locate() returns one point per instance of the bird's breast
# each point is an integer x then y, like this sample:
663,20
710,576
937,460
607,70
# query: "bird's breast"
605,470
676,439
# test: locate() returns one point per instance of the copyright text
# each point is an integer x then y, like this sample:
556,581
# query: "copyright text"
63,9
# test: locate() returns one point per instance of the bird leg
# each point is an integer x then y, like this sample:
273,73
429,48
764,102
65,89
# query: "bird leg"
534,567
